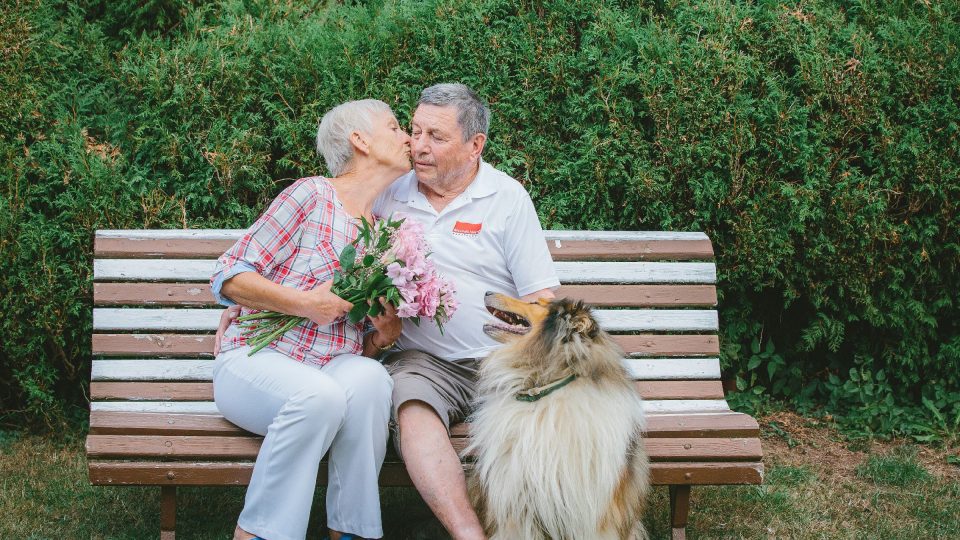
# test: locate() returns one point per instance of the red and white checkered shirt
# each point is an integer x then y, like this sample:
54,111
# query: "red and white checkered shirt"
296,243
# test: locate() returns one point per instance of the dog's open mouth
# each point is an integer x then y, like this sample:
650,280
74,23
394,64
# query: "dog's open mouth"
509,322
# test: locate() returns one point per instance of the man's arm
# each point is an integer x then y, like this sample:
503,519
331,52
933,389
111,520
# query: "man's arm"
546,294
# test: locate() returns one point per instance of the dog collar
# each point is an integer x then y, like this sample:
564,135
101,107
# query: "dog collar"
534,394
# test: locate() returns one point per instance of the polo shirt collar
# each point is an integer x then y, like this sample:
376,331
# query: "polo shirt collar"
482,186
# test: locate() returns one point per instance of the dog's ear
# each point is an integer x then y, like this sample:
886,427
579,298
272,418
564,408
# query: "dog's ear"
568,321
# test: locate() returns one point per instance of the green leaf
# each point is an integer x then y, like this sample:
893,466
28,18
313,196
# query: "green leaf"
368,260
755,346
771,369
348,257
357,313
754,362
375,309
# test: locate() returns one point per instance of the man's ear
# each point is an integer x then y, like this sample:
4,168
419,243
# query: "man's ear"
359,142
477,143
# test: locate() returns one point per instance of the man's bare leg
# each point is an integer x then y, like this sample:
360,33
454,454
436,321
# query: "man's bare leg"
435,469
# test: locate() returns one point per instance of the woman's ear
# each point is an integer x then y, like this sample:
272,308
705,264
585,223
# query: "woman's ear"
360,143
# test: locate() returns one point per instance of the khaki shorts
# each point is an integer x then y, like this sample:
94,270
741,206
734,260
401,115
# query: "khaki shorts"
447,386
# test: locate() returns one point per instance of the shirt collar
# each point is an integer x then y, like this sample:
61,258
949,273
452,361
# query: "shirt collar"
482,186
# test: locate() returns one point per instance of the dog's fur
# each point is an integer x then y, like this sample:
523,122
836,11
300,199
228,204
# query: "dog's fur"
570,465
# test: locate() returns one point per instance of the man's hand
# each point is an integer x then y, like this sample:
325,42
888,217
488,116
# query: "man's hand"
388,325
226,319
322,306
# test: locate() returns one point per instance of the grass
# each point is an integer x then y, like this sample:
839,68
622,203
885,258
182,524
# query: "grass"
817,486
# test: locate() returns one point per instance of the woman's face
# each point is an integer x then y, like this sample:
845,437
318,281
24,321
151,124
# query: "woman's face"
390,144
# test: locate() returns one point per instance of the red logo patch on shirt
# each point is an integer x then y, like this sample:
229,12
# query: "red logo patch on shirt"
462,227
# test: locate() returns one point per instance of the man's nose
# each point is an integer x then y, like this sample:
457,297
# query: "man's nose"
419,145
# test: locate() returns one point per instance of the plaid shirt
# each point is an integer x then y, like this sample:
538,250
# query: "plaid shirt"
296,243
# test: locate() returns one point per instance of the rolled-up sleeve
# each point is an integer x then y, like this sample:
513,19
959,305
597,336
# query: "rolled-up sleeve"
270,241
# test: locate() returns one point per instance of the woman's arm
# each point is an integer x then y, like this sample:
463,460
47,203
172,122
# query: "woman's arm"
255,291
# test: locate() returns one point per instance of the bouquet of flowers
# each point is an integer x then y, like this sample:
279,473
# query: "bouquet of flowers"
389,259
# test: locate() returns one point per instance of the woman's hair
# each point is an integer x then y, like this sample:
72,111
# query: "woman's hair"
473,115
333,135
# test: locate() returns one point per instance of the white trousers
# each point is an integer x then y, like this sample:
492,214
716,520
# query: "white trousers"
303,411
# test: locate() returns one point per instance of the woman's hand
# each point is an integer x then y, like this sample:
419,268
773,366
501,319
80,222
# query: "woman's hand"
388,325
226,319
322,306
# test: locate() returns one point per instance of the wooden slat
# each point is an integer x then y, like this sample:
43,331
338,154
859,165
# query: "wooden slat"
198,447
641,295
208,407
169,345
581,250
728,424
611,320
550,235
200,270
174,345
152,294
198,294
598,250
119,473
151,391
168,248
203,391
667,345
146,369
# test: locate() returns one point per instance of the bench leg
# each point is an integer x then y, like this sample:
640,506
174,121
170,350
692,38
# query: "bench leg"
679,509
168,512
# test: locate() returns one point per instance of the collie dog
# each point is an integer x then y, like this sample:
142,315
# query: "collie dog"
557,432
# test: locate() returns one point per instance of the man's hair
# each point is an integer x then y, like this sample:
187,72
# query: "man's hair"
473,115
333,135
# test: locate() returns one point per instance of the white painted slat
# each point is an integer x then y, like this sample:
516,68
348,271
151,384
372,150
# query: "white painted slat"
234,234
152,370
669,369
153,269
636,272
209,407
611,320
623,236
172,234
647,320
156,319
568,272
202,370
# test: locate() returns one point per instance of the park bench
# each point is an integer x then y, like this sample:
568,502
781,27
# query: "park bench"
153,420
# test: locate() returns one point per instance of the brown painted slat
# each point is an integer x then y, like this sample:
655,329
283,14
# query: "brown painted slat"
151,391
203,391
667,345
637,250
732,424
119,473
641,295
171,345
198,294
129,248
569,250
680,389
116,423
152,294
189,345
214,448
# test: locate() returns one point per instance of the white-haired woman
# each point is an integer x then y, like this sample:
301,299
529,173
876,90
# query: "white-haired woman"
317,388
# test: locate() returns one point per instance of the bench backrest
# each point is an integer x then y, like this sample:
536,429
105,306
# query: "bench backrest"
154,316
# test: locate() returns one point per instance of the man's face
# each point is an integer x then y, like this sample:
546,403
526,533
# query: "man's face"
441,158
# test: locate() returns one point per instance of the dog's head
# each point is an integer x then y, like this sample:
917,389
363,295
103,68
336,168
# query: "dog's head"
562,331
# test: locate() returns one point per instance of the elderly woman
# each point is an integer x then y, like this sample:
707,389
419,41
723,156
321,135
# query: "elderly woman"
311,391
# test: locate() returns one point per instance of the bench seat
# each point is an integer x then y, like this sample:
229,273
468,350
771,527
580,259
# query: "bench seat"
153,421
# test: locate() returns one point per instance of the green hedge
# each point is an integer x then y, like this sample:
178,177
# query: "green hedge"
815,142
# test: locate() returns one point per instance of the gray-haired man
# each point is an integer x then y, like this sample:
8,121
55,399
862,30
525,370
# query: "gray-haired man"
485,236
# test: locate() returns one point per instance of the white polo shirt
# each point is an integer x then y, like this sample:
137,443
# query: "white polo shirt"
487,239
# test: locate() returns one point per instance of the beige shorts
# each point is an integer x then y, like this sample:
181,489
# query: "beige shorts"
447,386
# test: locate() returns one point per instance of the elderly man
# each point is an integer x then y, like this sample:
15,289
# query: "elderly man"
485,236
